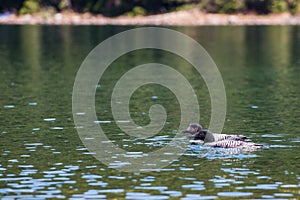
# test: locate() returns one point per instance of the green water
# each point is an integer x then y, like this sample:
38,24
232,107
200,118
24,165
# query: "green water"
43,157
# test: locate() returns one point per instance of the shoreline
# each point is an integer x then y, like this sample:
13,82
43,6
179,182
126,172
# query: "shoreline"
178,18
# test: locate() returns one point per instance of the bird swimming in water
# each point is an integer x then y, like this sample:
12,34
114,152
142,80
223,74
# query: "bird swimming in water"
199,135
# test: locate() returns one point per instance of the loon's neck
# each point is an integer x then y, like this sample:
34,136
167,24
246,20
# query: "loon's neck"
209,137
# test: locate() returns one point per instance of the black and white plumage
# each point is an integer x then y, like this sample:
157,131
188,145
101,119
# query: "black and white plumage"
199,135
249,146
215,137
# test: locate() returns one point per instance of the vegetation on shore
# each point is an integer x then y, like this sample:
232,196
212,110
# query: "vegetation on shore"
147,7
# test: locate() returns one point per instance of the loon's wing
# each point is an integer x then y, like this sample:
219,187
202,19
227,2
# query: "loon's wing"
219,137
236,144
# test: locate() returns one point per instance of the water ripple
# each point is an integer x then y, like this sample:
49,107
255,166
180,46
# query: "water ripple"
234,194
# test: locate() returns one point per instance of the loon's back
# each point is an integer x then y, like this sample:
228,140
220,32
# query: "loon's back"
220,137
250,146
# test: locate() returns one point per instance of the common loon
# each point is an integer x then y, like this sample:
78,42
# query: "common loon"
199,135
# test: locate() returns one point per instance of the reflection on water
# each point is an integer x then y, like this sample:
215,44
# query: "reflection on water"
43,157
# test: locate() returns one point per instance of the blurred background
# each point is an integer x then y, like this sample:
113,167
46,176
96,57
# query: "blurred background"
149,7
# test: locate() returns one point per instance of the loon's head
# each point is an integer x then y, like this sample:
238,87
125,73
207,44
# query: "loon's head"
193,128
198,133
196,130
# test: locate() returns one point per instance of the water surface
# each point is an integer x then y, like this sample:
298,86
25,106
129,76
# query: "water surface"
43,157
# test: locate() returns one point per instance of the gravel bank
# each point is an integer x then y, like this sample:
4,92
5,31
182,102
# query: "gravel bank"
180,18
